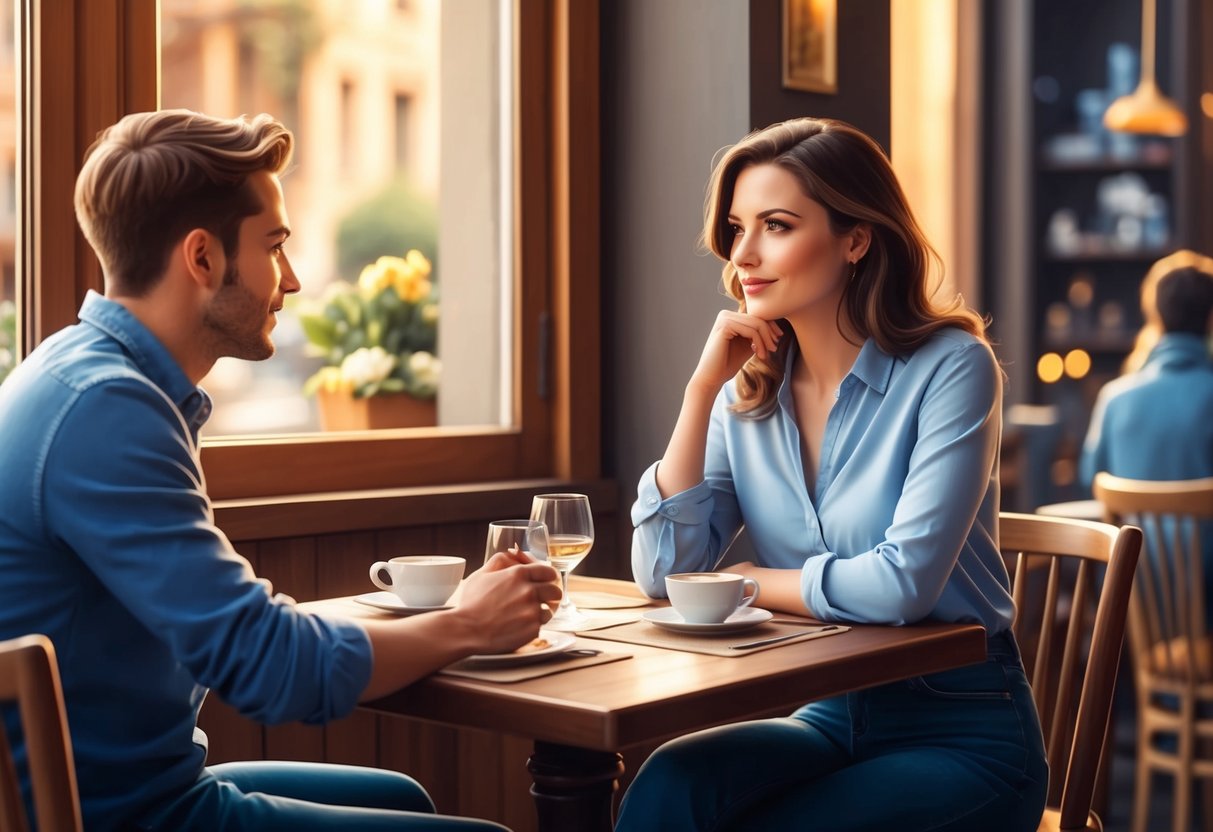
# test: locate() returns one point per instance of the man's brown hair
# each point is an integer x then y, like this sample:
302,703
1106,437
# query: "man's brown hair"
150,179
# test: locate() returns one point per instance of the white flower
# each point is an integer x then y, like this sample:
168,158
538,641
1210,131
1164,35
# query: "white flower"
425,369
367,366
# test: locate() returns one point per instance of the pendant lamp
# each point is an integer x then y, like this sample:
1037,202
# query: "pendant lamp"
1146,109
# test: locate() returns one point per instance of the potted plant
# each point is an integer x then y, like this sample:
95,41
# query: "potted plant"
378,339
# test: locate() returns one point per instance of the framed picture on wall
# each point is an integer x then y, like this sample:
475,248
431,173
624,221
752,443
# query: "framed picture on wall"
810,45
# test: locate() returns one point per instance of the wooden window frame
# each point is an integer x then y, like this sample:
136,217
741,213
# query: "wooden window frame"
85,63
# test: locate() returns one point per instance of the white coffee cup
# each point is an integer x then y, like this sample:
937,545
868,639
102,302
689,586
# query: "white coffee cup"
708,597
419,580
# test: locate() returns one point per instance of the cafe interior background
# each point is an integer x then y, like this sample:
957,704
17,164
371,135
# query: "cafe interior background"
546,160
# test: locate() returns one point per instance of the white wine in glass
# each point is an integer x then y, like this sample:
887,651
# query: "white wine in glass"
570,538
565,551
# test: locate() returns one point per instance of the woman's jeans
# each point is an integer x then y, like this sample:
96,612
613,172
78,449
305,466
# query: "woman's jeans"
301,797
957,750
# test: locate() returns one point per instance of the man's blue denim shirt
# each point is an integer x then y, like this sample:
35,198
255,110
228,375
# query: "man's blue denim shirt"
108,546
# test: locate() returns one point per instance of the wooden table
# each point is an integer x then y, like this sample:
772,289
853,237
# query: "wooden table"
581,719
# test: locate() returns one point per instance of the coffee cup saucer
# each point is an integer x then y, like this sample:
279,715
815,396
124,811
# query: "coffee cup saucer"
388,602
743,619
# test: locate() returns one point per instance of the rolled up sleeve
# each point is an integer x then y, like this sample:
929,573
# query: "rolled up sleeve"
689,531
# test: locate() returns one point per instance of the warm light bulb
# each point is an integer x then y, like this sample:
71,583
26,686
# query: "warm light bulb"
1050,367
1077,363
1081,291
1146,111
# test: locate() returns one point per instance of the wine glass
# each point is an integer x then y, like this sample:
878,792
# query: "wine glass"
570,536
529,536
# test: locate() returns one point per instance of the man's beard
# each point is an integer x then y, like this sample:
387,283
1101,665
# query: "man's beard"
235,320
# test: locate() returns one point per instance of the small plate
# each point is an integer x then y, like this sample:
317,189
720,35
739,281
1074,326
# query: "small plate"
388,601
556,643
743,619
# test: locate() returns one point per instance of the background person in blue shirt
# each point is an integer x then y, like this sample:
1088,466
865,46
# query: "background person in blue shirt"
1156,421
107,539
852,425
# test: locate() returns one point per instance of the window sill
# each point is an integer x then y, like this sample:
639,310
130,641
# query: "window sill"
299,515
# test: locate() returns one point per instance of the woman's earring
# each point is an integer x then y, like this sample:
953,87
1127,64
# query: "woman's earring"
854,269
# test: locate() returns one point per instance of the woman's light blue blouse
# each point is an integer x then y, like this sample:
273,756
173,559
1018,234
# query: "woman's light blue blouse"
903,524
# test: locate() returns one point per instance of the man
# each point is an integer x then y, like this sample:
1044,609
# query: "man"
107,539
1156,422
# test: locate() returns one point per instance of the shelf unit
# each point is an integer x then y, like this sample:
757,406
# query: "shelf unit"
1037,56
1085,297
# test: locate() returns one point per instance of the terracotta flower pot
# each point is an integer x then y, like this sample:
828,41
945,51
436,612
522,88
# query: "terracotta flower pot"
341,411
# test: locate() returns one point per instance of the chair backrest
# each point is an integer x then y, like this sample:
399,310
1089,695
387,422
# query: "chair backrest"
1169,609
29,676
1061,607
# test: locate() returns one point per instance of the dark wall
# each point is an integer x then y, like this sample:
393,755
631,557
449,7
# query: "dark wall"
863,69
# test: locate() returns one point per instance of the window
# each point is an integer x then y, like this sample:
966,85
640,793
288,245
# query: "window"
401,128
553,236
8,208
347,121
369,84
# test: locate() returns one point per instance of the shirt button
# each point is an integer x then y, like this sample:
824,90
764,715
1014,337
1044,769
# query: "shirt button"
672,511
837,392
652,501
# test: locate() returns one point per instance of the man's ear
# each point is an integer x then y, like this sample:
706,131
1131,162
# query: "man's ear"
204,262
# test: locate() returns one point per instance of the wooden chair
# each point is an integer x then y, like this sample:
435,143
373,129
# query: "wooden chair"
1061,607
29,676
1169,642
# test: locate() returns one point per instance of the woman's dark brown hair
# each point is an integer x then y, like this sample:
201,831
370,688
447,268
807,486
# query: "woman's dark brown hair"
888,298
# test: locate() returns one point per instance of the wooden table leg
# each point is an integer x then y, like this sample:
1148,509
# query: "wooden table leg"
573,787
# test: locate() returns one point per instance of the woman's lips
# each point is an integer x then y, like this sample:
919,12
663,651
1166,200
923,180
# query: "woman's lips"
754,285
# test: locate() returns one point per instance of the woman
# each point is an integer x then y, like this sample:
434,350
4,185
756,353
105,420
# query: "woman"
852,425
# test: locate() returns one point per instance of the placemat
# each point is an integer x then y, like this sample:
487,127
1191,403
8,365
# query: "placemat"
558,664
595,620
645,632
590,600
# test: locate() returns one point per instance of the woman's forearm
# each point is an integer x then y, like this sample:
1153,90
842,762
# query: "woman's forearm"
682,465
779,589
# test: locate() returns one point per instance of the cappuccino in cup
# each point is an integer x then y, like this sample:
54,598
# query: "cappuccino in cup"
709,597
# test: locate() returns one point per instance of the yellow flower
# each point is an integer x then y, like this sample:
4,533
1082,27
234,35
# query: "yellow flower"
417,260
429,313
392,268
414,289
333,381
372,279
407,275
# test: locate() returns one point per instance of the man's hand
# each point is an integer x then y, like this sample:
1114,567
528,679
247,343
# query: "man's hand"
507,600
